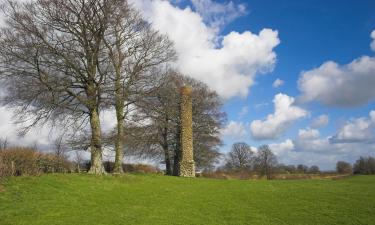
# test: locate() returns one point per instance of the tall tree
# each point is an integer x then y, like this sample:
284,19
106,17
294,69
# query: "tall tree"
134,48
51,58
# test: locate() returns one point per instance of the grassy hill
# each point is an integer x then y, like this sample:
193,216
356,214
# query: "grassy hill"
152,199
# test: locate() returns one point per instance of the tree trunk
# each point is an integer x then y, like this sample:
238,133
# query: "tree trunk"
168,166
177,150
119,137
119,105
96,145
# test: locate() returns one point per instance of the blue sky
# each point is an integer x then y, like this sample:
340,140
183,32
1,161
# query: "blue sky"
322,52
311,34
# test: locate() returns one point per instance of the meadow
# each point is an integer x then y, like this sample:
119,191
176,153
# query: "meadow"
155,199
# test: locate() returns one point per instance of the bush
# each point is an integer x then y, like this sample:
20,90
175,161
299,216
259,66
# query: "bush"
18,161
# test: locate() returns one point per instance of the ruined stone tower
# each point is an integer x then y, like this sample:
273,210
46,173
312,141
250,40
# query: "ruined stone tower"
187,168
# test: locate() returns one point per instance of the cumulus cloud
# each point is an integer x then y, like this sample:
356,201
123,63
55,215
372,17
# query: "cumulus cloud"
320,121
356,130
340,85
277,123
373,40
352,140
234,130
308,134
229,65
278,83
282,148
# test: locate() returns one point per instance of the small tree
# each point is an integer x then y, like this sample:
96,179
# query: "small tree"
344,167
266,161
302,168
314,170
240,157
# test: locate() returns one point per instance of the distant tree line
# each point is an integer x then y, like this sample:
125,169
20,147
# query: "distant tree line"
261,161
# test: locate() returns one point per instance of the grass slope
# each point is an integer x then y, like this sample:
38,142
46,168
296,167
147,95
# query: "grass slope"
151,199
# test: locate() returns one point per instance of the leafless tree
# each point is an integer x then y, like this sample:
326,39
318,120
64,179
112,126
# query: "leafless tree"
266,161
364,165
161,122
54,63
343,167
133,48
240,157
60,152
78,159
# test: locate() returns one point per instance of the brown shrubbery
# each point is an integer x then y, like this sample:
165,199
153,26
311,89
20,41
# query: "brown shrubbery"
19,161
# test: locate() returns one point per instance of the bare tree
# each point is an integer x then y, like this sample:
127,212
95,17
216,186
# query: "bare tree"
344,167
240,157
133,49
314,169
160,111
78,159
53,63
364,165
302,168
266,161
60,152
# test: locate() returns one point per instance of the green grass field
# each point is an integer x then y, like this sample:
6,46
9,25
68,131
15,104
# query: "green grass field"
152,199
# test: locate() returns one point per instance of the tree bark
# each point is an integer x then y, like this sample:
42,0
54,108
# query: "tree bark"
168,166
120,126
96,145
177,150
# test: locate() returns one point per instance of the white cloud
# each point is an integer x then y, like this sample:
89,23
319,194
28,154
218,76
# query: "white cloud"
234,130
277,123
308,134
39,136
356,130
278,83
340,85
282,148
230,66
373,40
320,121
218,14
354,139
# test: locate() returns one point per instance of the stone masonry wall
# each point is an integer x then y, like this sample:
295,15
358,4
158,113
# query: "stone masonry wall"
187,166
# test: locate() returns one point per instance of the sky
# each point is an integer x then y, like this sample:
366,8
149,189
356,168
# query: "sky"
297,75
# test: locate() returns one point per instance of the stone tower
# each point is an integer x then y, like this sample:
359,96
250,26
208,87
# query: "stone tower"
187,167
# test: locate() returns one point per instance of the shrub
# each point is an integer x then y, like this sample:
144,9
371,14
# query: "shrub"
18,161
